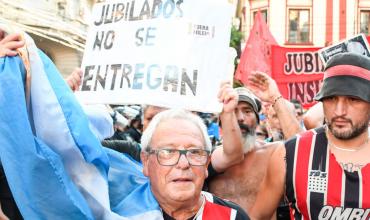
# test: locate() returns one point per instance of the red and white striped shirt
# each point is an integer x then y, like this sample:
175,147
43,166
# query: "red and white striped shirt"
317,187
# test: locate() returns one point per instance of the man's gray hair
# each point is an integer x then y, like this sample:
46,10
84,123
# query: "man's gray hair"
146,138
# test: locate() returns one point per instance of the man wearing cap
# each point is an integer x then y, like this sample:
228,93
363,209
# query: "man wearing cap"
325,172
240,183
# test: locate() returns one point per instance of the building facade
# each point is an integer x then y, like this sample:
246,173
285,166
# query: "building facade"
307,23
58,27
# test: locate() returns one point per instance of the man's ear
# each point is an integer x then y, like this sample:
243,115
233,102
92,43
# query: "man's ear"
206,171
145,160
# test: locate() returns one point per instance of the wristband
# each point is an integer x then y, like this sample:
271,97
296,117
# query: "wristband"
276,99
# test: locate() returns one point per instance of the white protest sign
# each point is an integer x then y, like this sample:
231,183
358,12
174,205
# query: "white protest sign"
171,53
357,44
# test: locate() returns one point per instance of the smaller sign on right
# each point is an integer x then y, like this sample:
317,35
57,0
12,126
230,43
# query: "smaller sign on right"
357,44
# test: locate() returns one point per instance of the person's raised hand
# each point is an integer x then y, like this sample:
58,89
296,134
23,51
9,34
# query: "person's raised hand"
10,43
263,86
228,96
74,79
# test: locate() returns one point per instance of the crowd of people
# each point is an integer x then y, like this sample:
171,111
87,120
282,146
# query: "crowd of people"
262,157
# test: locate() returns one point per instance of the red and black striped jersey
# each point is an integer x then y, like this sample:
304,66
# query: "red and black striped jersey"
216,209
317,187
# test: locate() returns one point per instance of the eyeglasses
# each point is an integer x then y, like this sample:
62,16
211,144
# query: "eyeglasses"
170,157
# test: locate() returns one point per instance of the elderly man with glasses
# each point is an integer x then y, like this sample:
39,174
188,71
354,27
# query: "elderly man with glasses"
175,155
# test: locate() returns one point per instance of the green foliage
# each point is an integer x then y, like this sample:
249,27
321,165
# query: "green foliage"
235,38
237,83
235,41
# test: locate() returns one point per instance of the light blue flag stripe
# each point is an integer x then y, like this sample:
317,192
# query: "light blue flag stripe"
74,116
130,193
35,172
129,190
55,167
60,122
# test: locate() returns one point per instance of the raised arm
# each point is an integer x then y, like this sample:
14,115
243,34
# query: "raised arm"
314,117
128,147
232,150
74,79
272,187
265,88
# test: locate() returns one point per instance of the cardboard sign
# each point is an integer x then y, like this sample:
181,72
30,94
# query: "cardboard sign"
357,44
170,53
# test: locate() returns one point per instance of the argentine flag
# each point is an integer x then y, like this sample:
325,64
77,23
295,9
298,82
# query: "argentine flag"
55,166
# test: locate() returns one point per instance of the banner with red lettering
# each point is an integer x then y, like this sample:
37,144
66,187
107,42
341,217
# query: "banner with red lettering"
298,73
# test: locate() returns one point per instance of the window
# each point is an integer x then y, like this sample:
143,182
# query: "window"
364,22
299,26
263,13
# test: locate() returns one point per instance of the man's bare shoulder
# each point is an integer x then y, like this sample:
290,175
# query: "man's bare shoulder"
262,153
276,149
271,146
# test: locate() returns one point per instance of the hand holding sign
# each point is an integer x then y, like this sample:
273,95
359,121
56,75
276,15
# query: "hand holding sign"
357,44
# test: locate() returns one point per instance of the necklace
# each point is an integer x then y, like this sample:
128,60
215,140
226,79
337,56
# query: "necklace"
350,149
363,145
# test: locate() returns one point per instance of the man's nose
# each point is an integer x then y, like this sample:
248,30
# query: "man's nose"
239,116
340,107
183,162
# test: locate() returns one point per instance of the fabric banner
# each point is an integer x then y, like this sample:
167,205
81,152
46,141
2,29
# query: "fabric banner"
55,166
164,53
257,52
298,73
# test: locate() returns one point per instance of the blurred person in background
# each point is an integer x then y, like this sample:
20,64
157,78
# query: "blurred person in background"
261,133
213,128
274,128
299,111
135,128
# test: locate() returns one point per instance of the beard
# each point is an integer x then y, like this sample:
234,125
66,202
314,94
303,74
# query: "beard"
246,130
355,131
248,137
